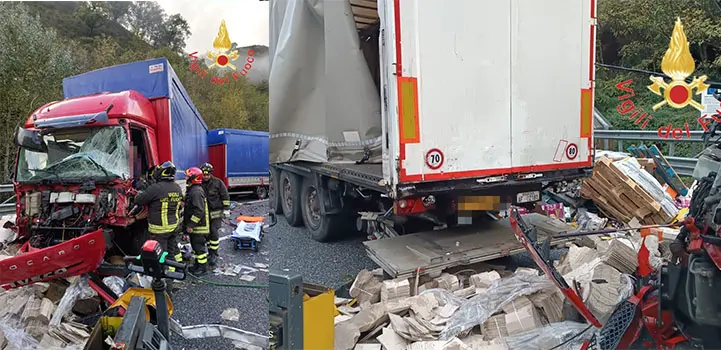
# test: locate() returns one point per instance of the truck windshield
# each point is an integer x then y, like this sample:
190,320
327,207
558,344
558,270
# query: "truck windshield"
98,153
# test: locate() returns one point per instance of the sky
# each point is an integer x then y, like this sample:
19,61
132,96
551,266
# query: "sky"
247,21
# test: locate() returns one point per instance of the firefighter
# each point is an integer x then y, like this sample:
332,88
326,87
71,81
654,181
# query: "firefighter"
196,219
153,174
219,206
163,199
149,178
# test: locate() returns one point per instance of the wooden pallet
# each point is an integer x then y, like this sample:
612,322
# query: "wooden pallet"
619,197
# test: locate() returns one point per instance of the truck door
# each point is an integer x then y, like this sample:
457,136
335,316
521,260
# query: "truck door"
140,156
452,87
552,69
481,88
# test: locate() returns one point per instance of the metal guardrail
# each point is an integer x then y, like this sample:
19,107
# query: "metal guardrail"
7,208
682,165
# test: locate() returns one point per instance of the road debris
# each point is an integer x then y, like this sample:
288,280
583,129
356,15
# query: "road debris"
231,314
247,278
32,317
521,309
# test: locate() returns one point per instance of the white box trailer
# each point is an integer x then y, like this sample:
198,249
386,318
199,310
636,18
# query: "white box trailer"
399,109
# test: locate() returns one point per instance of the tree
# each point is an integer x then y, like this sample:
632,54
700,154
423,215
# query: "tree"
145,18
35,60
172,33
118,10
93,14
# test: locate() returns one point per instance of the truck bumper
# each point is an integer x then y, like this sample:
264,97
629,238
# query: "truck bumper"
71,258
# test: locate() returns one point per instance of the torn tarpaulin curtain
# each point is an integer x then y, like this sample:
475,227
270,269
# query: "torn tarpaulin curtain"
321,89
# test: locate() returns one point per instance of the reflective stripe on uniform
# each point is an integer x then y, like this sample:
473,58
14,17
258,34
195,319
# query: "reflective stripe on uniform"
164,214
216,214
195,219
178,257
162,229
226,203
202,258
213,245
206,228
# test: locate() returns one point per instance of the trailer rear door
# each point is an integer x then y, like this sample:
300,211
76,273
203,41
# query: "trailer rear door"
486,88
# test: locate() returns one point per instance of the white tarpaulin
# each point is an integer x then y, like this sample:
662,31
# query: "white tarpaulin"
322,95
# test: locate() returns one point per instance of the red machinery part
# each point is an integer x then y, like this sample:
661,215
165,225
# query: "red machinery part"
71,258
550,271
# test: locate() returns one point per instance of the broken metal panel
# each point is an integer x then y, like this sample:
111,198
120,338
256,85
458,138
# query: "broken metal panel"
402,256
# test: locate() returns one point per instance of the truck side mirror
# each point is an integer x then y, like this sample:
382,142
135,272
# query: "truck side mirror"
29,139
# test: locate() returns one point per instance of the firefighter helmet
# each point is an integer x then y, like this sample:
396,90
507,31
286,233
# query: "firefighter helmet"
166,171
153,172
195,176
207,168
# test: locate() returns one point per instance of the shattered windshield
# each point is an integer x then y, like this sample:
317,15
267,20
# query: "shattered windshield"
99,153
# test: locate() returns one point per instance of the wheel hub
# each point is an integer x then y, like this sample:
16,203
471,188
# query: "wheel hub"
314,207
287,194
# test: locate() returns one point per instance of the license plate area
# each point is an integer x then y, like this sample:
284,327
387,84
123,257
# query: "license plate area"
528,197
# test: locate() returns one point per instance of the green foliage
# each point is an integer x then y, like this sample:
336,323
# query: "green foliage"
636,34
43,42
35,60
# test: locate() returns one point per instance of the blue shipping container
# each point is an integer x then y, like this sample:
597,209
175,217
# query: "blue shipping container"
240,157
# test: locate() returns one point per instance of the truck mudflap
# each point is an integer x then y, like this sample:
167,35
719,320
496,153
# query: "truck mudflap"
71,258
526,234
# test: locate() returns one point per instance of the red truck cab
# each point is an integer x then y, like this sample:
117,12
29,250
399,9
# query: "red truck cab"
79,158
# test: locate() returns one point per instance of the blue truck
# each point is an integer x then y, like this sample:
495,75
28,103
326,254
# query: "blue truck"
240,159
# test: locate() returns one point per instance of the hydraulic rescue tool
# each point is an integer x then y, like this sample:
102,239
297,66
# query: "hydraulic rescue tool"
135,331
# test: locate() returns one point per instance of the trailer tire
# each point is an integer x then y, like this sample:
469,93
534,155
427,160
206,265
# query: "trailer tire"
274,197
289,195
322,227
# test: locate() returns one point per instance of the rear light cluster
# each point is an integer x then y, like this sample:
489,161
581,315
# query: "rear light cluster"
418,205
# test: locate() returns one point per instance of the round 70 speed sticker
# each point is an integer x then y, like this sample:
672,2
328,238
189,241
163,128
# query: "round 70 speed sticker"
434,158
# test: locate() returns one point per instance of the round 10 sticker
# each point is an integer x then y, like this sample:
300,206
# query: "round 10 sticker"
572,151
434,158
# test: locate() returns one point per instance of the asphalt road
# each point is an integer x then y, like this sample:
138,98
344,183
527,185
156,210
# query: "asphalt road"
200,303
328,264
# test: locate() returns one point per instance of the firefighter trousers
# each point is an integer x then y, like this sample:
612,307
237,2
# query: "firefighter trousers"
169,243
197,242
214,236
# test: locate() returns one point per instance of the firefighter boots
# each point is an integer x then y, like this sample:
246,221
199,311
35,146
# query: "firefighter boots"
213,259
198,269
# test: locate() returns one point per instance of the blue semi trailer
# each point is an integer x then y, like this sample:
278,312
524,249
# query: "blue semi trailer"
240,159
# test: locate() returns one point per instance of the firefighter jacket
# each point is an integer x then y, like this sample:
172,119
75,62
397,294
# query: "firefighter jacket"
218,197
163,201
196,215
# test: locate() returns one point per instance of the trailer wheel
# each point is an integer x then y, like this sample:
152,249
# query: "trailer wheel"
322,228
274,197
261,192
290,198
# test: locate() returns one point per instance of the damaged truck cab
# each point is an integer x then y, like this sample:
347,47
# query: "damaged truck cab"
76,163
78,160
